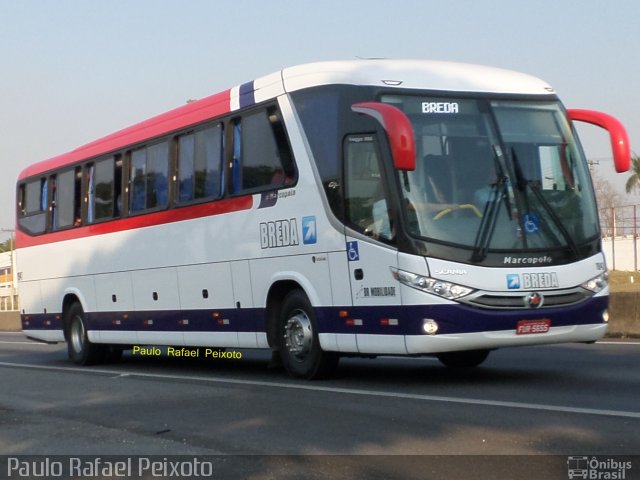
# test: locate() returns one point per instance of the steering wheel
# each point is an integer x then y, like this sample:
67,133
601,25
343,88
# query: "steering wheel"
464,206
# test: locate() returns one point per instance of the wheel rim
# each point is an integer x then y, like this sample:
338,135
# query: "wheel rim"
77,335
298,335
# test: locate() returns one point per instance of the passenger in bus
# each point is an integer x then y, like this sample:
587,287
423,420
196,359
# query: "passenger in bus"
138,191
381,227
485,193
282,177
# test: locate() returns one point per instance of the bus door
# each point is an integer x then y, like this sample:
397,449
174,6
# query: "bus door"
370,250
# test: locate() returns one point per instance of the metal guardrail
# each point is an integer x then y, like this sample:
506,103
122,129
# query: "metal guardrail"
622,253
621,236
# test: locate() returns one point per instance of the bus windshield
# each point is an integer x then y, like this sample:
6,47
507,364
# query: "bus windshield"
497,175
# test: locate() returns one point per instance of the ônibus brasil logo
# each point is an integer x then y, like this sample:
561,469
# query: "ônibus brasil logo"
593,468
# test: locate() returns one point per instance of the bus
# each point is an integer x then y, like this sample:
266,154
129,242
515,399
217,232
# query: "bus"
348,208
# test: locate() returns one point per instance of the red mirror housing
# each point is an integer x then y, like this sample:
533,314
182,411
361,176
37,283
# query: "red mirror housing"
618,134
399,131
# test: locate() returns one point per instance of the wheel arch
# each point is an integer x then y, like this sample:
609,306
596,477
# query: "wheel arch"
275,296
71,296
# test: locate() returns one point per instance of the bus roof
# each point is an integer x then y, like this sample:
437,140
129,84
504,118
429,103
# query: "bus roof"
418,74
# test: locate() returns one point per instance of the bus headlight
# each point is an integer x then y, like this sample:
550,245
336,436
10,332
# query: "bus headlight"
598,283
431,285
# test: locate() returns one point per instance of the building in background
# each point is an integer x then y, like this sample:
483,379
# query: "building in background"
8,290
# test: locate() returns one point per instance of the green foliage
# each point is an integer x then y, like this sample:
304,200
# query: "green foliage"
633,182
5,246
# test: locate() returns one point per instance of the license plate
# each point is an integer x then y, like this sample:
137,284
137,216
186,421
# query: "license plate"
528,327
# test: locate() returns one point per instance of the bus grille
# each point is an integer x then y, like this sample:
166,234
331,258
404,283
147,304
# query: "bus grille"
551,299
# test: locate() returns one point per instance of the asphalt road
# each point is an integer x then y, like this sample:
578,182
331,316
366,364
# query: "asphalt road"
383,415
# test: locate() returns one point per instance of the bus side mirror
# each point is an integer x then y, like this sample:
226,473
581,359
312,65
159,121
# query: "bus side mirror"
617,134
399,131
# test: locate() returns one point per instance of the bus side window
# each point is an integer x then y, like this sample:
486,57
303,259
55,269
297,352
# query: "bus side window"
236,172
117,188
365,199
158,175
149,177
288,174
101,190
22,200
200,165
186,154
262,159
33,206
63,206
138,180
52,202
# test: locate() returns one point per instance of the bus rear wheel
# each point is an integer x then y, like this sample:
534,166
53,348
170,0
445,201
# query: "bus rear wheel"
299,346
81,351
465,359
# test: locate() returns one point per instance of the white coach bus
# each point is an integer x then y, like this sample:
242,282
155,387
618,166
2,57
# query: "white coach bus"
373,207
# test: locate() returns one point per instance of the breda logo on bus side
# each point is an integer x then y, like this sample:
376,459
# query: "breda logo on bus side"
280,233
285,233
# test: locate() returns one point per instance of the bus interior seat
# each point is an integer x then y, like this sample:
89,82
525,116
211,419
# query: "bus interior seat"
439,178
474,166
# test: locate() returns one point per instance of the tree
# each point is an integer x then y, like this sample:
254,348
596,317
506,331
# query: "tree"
633,182
5,246
607,199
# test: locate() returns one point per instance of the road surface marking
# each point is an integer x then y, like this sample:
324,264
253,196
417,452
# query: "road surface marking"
26,343
341,390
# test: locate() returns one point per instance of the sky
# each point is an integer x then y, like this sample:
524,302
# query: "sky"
76,70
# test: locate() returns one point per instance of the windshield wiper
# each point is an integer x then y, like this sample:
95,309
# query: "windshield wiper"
490,214
522,184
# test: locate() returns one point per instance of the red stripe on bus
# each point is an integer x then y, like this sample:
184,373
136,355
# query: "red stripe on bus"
219,207
177,119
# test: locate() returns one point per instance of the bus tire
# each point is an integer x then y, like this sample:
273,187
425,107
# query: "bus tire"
464,359
299,347
81,350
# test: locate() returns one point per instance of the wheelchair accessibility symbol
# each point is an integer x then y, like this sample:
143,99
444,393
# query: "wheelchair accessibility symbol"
531,223
352,251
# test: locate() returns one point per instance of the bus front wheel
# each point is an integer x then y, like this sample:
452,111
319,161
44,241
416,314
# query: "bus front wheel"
81,350
464,359
300,348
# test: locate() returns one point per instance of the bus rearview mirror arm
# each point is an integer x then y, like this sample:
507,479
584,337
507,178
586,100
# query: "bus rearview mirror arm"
617,133
399,131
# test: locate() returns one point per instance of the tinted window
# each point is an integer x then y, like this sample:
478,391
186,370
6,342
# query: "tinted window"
365,200
101,190
63,208
262,157
149,174
199,164
33,201
32,206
